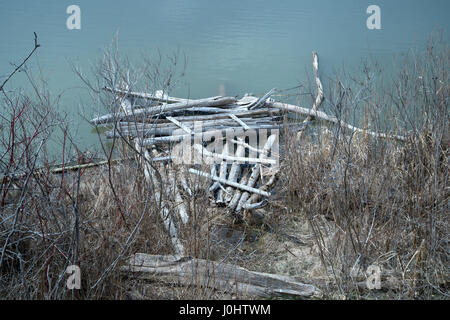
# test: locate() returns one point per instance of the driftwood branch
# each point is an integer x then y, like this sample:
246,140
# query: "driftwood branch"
319,98
165,211
223,277
235,171
323,116
157,96
151,111
258,103
235,159
230,183
256,172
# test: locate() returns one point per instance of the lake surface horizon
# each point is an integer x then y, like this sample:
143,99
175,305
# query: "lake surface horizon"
232,47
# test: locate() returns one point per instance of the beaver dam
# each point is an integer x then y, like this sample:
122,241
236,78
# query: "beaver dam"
234,145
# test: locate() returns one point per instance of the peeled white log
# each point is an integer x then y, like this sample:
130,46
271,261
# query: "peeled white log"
164,212
235,171
157,96
179,202
179,124
207,135
208,102
251,202
256,205
236,158
242,123
233,184
237,113
323,116
222,172
262,100
167,129
319,98
213,172
237,194
256,172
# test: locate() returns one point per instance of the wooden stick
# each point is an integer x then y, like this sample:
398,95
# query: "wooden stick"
181,208
262,100
256,172
323,116
185,184
205,136
238,113
242,143
234,171
233,184
319,97
237,158
179,124
213,172
222,173
237,194
255,197
208,102
256,205
242,123
164,212
153,97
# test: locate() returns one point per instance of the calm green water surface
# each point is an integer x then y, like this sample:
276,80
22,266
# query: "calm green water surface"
246,45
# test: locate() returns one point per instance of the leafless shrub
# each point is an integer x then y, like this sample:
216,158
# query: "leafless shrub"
387,200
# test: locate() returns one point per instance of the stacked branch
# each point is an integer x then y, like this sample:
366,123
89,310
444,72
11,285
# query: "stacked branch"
242,173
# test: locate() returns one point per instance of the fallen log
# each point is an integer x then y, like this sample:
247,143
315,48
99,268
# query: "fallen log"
252,201
207,135
207,102
157,96
224,277
238,113
167,129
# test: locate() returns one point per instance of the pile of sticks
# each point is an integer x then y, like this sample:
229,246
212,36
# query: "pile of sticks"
238,180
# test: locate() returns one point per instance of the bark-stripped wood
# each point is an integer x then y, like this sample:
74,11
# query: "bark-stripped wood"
223,277
233,184
319,98
165,211
256,173
323,116
235,171
237,194
208,102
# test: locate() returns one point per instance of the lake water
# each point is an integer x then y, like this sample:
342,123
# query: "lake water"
246,46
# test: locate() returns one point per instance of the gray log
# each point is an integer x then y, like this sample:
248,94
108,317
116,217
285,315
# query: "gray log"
208,102
224,277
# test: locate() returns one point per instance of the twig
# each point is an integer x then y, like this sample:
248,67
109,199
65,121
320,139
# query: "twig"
36,45
233,184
